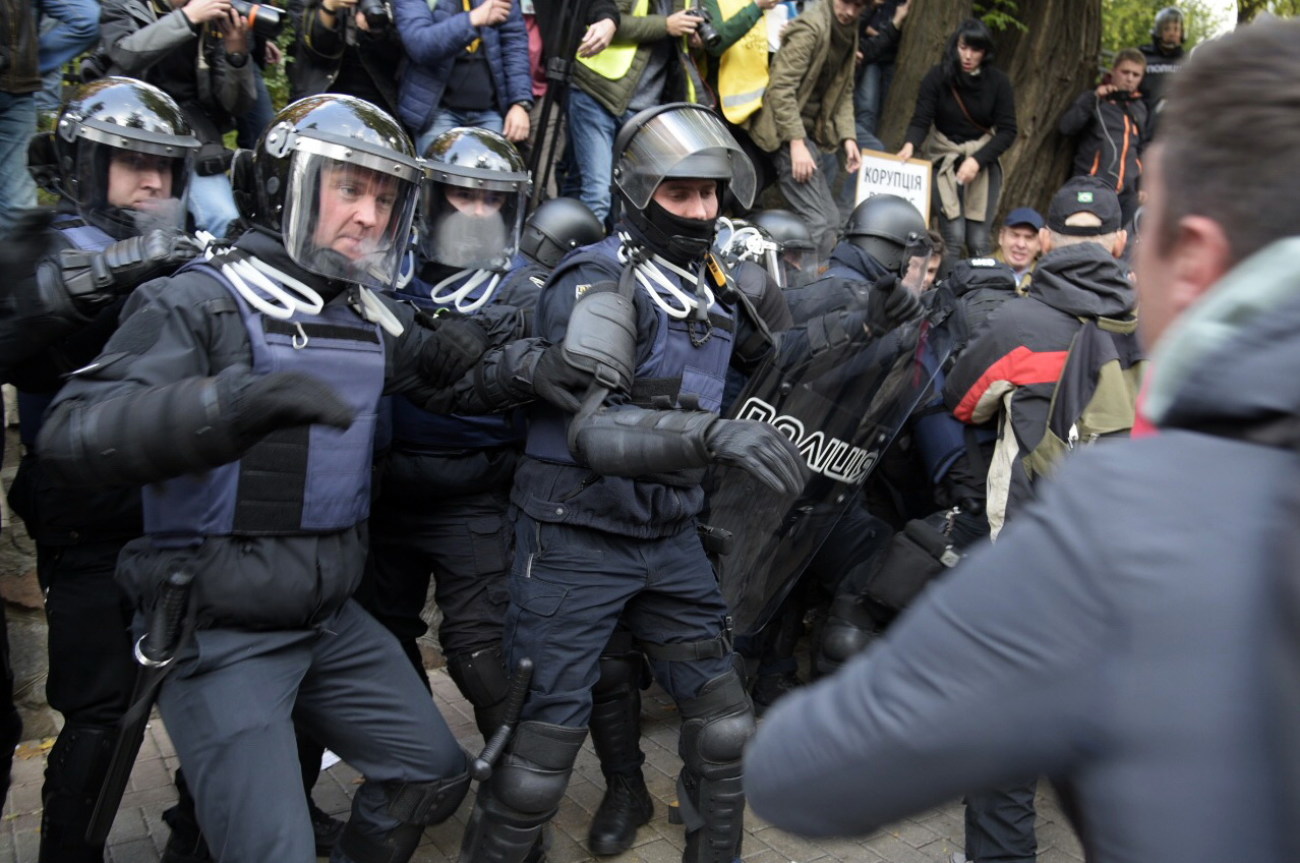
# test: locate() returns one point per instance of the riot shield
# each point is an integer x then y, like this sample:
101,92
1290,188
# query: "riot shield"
842,404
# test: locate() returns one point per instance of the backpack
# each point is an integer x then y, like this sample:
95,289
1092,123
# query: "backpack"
1096,396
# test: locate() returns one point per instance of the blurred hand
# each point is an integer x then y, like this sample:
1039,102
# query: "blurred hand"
905,153
362,24
274,56
333,6
968,170
234,29
900,13
682,23
852,156
1104,90
766,4
490,13
203,11
802,164
597,38
516,124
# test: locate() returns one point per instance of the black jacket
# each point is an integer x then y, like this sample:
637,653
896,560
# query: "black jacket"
18,41
1111,136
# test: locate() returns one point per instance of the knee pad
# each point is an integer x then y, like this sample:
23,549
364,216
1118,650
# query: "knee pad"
619,672
426,803
416,805
535,771
715,727
849,628
480,676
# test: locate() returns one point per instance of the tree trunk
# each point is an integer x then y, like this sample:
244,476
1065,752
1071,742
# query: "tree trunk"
1050,63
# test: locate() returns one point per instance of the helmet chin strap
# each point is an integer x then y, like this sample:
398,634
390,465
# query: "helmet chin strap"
277,294
649,273
458,297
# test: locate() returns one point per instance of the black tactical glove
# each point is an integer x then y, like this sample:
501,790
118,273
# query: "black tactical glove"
760,449
457,344
26,244
891,305
152,254
256,405
559,382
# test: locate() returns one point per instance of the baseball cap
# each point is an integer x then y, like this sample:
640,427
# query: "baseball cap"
1084,195
1024,216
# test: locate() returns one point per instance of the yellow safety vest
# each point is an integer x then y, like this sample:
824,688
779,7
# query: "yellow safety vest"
742,69
614,61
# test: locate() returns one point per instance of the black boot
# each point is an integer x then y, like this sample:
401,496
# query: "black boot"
75,771
185,844
715,725
626,806
616,736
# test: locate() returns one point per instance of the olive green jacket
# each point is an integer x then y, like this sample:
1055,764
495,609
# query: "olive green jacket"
643,30
796,69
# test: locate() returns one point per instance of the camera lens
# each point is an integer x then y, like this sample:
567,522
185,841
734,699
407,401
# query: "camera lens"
265,21
376,12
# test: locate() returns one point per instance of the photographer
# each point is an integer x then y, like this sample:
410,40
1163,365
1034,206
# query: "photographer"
348,47
469,67
196,51
1112,124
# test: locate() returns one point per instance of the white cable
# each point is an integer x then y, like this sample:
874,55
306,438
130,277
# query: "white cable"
374,311
456,298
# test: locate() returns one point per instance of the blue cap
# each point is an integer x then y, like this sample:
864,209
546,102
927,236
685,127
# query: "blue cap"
1024,216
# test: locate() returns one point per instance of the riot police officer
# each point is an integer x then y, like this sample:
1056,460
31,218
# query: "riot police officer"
608,494
244,390
875,246
441,510
798,253
119,160
556,227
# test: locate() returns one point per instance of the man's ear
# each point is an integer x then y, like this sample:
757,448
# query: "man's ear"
1044,240
1121,243
1201,256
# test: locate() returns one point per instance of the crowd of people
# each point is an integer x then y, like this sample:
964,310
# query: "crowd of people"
271,397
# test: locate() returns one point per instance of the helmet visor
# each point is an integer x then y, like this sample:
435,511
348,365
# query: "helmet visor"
127,191
799,267
472,227
350,218
690,144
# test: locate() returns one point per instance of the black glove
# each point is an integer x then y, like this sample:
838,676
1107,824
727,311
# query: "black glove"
761,450
456,346
256,405
891,305
152,254
559,382
27,244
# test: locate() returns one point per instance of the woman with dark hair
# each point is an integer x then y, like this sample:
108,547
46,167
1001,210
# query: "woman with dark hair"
967,110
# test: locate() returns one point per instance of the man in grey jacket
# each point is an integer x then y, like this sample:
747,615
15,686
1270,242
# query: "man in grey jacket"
1121,636
196,51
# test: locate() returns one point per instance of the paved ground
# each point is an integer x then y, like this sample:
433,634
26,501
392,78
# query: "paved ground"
139,833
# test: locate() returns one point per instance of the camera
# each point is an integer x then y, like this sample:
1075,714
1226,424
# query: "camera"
708,34
376,12
265,21
1124,96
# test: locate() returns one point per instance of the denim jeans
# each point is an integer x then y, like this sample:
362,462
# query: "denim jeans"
212,203
868,99
446,119
974,234
77,31
17,125
253,123
592,130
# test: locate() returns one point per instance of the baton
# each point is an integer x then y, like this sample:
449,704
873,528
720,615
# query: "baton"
482,768
154,651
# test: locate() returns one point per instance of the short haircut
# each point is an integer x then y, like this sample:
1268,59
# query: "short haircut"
938,247
1229,138
1131,55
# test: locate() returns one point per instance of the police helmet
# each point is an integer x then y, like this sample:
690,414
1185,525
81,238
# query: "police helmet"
120,123
476,187
338,179
798,252
882,226
557,227
1165,16
678,140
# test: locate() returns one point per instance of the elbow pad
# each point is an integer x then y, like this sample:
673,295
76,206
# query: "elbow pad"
634,442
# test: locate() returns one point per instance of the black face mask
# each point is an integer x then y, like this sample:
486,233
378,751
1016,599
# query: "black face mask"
680,240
